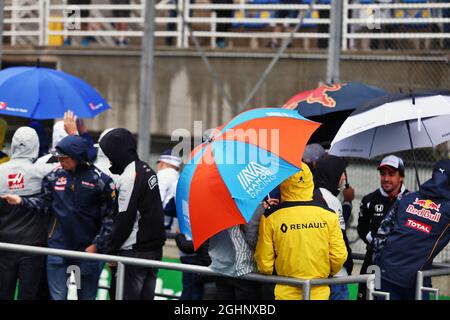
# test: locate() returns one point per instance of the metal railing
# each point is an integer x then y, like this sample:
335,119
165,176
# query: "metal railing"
37,21
372,280
429,273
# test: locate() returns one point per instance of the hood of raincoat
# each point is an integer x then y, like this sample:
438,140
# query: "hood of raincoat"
328,172
25,144
298,187
438,187
120,147
58,134
75,147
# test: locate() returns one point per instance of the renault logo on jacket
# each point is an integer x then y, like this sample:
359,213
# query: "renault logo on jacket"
299,226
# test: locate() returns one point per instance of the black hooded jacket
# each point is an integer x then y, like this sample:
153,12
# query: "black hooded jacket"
139,224
327,174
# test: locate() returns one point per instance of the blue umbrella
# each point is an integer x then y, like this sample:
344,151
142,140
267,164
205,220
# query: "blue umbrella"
42,93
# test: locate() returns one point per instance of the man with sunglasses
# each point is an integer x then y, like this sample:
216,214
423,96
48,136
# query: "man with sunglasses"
375,206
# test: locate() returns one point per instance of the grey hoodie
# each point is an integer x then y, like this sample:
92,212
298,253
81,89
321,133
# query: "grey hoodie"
21,175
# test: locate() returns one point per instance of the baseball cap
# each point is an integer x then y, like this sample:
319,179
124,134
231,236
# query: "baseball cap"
393,162
167,157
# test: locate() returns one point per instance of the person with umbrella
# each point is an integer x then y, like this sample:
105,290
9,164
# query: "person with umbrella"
81,199
300,238
413,233
375,205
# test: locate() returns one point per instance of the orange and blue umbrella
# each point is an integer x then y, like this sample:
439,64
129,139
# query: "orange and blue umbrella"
227,176
43,93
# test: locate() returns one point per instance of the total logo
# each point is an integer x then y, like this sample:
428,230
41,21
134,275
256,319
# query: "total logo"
254,178
422,227
3,105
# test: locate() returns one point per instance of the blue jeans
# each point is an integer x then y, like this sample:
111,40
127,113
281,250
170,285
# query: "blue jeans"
339,292
57,277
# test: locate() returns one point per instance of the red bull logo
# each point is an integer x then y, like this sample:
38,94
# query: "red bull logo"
3,105
320,95
425,212
427,204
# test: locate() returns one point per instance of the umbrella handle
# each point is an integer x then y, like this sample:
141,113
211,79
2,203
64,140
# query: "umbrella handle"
268,204
347,185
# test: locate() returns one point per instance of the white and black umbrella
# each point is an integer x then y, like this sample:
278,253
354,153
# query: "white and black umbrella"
395,123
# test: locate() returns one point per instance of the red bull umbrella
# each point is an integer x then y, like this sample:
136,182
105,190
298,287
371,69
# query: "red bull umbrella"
228,176
331,104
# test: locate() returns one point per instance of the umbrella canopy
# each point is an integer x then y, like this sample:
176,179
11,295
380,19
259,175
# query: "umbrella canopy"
331,104
42,93
382,126
228,176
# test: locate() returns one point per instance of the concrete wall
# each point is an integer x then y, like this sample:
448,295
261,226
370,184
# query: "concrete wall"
185,92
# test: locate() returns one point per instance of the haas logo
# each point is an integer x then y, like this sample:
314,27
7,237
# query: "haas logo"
2,105
15,181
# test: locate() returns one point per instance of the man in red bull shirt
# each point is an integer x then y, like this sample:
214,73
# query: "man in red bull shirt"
374,207
414,231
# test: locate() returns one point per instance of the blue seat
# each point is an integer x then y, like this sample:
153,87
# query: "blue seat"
255,14
414,13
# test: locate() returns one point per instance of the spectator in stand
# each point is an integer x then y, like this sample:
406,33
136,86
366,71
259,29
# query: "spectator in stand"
386,44
223,27
413,233
374,207
281,14
323,28
121,41
84,13
172,26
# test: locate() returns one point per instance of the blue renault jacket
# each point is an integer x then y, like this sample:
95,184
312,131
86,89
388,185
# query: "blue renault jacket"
82,202
413,232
